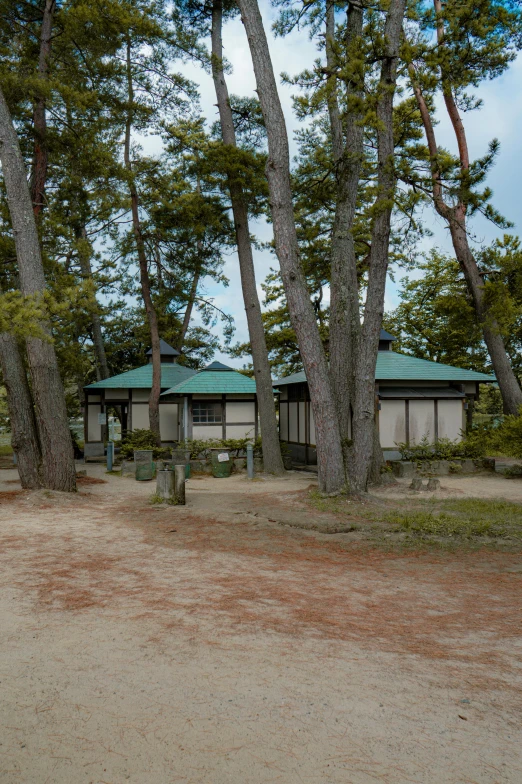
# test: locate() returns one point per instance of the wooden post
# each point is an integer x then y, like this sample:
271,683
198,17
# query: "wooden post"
179,484
165,485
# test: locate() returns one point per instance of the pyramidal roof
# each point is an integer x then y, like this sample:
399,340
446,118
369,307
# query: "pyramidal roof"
165,350
141,378
216,378
218,366
403,367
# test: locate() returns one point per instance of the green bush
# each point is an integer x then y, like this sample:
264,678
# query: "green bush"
200,450
444,449
141,439
489,438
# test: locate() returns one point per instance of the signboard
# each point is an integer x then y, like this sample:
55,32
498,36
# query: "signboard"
223,457
102,419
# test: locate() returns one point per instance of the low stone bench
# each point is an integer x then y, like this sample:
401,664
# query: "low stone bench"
405,469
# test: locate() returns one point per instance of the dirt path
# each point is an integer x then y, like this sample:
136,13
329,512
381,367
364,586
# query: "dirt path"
212,645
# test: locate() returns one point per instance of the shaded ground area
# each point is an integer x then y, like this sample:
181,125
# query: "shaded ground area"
220,642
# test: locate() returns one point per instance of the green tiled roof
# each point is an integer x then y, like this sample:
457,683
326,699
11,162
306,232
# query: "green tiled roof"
215,379
400,367
141,378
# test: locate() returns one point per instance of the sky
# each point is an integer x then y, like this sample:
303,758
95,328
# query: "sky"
500,117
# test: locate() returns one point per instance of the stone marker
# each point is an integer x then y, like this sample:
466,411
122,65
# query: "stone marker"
165,485
179,484
433,484
416,483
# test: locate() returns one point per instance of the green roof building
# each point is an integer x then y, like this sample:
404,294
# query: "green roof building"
217,402
416,398
127,396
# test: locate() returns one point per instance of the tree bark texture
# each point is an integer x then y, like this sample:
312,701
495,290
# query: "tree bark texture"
155,391
190,306
455,217
41,158
366,357
272,459
344,289
24,436
51,414
329,451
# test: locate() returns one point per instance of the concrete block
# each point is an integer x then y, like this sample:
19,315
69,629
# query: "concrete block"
239,464
200,467
469,466
403,469
94,449
128,468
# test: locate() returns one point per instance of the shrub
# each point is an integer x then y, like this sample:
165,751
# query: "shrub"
444,449
200,449
141,439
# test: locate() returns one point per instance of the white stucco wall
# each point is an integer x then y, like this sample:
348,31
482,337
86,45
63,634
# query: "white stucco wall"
293,435
140,417
422,420
168,413
116,394
283,422
392,423
93,428
451,419
207,431
240,412
141,394
241,431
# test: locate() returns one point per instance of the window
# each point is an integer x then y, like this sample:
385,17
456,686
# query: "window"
297,392
206,413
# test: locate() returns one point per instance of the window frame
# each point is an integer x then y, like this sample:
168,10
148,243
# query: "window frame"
200,407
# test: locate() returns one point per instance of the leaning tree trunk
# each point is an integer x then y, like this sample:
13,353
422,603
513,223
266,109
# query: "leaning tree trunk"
155,391
455,217
190,306
344,293
272,460
329,451
366,358
24,436
51,414
507,382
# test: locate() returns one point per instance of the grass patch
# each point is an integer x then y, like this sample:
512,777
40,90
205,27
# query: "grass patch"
5,450
451,519
157,499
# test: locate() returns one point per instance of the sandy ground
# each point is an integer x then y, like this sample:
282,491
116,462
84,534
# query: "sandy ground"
211,645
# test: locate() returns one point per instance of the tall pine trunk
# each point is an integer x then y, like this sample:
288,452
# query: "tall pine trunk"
155,391
48,394
329,450
272,460
24,436
190,306
347,147
40,162
366,357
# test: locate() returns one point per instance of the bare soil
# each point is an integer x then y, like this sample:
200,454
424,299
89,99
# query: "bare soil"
221,643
